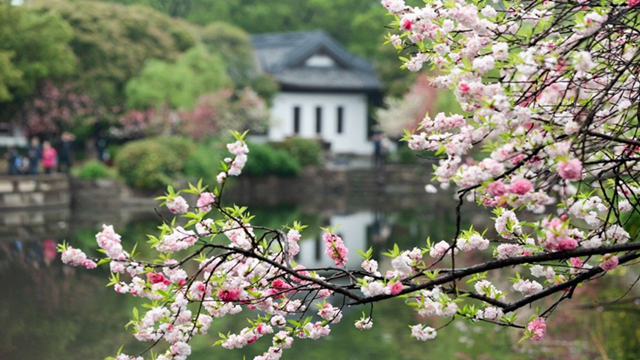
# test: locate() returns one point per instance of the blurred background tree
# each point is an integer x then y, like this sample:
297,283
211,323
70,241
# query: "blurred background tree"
34,46
112,42
178,84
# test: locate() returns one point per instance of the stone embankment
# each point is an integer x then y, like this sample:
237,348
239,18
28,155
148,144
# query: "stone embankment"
31,191
314,185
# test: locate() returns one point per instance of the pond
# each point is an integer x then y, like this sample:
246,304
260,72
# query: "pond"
52,311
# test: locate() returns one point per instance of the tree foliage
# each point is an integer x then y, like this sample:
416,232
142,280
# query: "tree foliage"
33,47
112,42
177,84
234,45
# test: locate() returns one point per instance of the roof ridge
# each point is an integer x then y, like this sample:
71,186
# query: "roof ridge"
280,52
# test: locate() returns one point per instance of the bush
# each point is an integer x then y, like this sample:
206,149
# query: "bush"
153,163
94,169
307,152
267,160
183,147
405,156
204,161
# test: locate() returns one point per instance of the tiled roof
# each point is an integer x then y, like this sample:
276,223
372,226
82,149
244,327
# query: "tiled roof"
283,54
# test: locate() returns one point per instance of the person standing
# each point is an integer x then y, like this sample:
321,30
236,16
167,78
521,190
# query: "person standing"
65,151
34,152
12,160
101,146
49,157
377,149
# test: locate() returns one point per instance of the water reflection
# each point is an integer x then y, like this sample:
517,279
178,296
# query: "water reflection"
51,311
353,228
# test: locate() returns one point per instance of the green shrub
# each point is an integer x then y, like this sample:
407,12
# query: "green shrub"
204,162
94,169
183,147
153,163
405,156
307,152
267,160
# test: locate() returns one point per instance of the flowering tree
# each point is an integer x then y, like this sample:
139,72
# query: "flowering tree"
408,111
214,114
56,107
550,90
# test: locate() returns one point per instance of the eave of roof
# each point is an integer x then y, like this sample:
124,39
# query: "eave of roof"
281,55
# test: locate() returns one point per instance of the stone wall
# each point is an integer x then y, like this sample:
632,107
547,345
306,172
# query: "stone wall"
30,191
315,185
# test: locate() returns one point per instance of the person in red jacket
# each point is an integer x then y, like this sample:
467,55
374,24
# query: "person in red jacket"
49,157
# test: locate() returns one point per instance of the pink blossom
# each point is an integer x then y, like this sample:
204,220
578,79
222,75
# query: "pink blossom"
279,288
407,21
576,262
608,262
395,287
229,295
179,239
330,313
423,333
370,265
393,6
180,349
108,240
127,357
570,170
278,321
238,148
483,64
364,324
336,249
527,287
89,264
493,313
73,257
496,188
520,187
440,249
293,236
567,243
220,177
633,2
157,278
178,205
395,40
505,251
537,328
205,201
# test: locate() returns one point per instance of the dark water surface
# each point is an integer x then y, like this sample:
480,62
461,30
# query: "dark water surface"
52,311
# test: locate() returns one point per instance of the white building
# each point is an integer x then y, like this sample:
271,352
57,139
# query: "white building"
12,134
324,90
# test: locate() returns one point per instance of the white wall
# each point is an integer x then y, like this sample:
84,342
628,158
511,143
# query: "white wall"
12,134
352,140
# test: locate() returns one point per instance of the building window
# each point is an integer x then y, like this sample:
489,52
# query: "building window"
340,119
296,120
318,120
320,60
